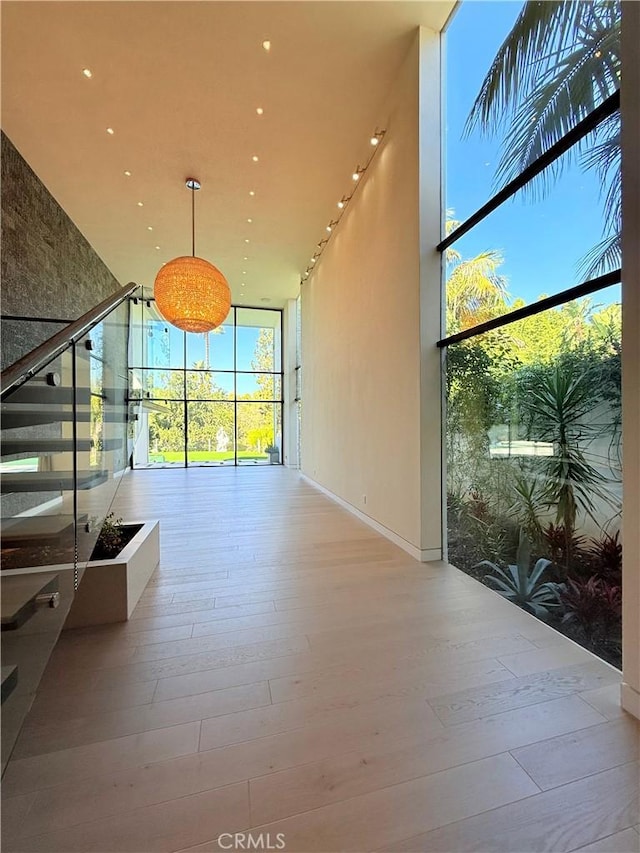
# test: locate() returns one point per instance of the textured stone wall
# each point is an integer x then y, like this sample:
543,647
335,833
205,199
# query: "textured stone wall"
48,267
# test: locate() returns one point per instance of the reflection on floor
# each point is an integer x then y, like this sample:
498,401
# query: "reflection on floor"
290,672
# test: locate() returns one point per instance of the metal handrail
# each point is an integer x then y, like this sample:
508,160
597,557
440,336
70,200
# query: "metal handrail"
27,366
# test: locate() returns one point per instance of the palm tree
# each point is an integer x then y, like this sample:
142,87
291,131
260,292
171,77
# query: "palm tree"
475,290
560,60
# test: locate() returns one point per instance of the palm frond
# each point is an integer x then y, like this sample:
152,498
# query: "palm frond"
604,257
540,29
562,98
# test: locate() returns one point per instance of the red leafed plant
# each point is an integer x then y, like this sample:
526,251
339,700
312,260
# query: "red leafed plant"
595,604
605,558
565,548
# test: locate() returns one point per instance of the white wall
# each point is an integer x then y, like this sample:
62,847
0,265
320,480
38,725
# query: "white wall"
290,409
631,357
371,386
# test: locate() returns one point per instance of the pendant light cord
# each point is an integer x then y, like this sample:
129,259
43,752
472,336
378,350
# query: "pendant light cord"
193,221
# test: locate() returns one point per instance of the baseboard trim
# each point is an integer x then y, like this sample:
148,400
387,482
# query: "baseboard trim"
630,699
427,555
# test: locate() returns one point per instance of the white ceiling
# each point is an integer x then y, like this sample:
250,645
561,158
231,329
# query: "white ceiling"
179,83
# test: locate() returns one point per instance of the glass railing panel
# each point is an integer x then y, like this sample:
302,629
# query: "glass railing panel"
103,407
20,336
38,532
534,456
37,469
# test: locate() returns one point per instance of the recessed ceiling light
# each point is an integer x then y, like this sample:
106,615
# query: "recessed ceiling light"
356,175
246,240
259,110
266,44
244,272
157,247
127,173
149,227
87,72
313,260
140,204
249,220
242,284
110,131
255,158
251,192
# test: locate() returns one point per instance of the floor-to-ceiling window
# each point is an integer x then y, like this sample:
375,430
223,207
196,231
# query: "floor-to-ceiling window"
206,399
533,313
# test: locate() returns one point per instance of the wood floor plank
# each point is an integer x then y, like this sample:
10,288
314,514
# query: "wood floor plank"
346,710
15,813
564,759
540,660
302,788
44,771
606,700
555,821
474,703
110,677
364,822
204,606
91,638
162,827
626,841
67,705
59,734
398,666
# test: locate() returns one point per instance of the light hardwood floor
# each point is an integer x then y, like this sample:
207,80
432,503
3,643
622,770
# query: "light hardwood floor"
290,671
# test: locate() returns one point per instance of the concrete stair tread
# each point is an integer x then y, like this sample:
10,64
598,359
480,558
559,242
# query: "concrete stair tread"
33,527
46,446
43,481
18,596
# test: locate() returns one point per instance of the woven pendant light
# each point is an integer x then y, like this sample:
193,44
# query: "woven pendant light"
190,292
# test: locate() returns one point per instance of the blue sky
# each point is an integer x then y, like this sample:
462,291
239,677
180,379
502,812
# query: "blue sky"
542,241
220,350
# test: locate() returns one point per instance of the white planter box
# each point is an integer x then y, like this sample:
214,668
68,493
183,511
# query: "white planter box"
110,589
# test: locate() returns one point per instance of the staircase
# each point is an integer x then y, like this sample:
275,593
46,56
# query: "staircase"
64,449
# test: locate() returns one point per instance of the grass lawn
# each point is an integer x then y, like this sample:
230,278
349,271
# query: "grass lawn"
204,456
